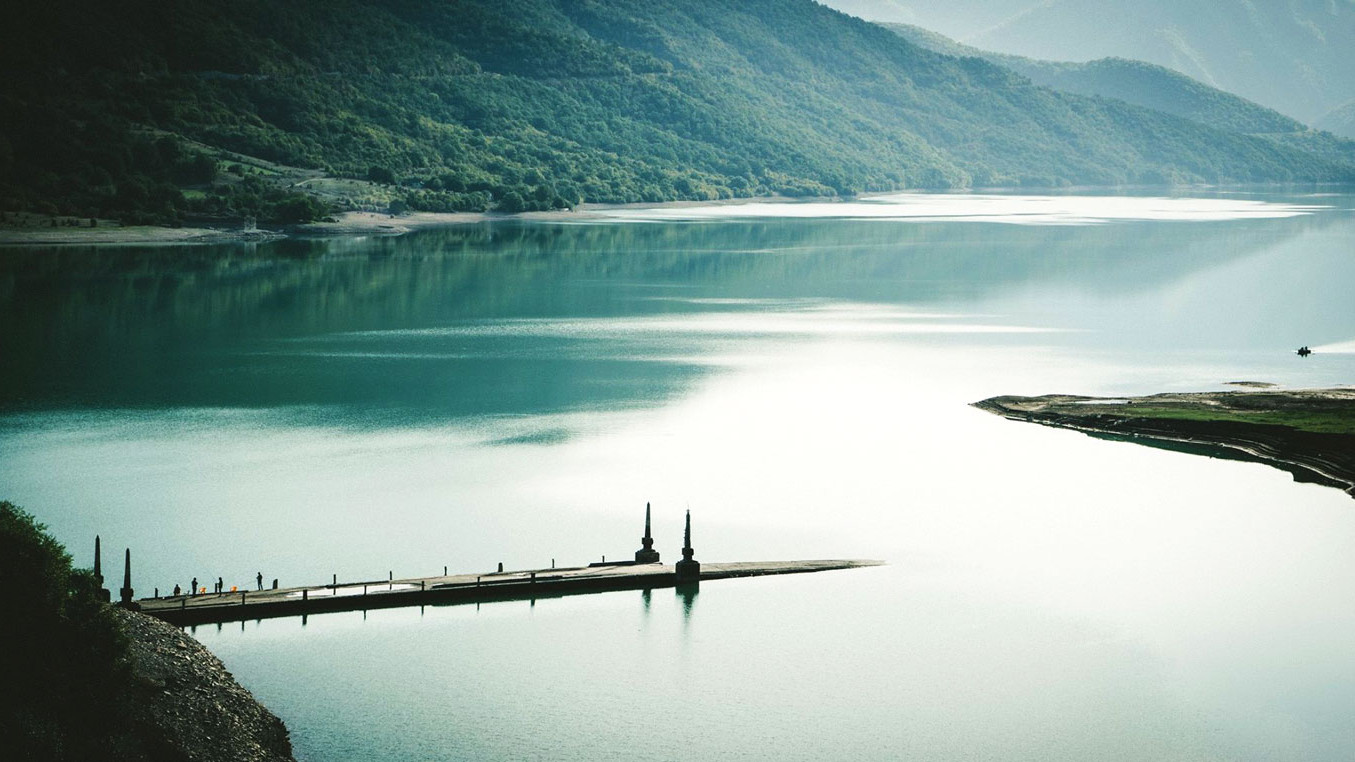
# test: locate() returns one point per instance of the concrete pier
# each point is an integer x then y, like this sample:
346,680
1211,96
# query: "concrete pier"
361,595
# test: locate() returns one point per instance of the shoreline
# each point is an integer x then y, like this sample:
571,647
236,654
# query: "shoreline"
348,224
1247,425
355,223
143,235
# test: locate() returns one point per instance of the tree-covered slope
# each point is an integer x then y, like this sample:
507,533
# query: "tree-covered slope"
533,103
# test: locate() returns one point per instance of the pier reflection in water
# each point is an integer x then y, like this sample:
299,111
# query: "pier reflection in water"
687,593
512,392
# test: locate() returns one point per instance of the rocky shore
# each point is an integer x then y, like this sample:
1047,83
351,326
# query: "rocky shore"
1307,432
185,705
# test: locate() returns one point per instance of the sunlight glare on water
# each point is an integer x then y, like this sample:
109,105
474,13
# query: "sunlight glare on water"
1013,210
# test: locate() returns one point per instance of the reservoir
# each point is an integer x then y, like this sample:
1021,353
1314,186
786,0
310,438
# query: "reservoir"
798,375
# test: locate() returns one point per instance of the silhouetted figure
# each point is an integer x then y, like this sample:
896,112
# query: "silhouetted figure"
646,554
688,569
194,589
177,591
220,585
259,578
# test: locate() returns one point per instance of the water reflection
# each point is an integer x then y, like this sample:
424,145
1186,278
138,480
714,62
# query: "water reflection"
686,592
512,318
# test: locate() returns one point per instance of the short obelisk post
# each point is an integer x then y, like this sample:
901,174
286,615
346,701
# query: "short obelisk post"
688,569
647,554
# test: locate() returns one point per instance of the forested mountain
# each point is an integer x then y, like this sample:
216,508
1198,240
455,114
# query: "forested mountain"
1291,55
517,104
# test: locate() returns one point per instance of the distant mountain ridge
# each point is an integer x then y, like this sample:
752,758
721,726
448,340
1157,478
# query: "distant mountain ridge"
529,104
1137,82
1151,86
1340,120
1290,55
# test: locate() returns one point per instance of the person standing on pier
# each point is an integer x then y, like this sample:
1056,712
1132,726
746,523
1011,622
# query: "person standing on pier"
259,578
194,589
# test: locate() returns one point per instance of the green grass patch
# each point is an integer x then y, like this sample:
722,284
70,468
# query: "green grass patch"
1337,417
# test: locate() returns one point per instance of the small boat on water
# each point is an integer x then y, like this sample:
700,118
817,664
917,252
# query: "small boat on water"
1303,351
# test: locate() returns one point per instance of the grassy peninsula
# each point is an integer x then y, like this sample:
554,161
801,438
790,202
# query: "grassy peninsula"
1309,432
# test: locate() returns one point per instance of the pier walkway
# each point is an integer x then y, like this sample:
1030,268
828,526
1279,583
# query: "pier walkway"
244,605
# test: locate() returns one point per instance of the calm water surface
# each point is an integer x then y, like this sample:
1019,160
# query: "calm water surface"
800,379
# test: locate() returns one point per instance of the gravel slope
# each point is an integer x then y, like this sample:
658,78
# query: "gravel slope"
185,705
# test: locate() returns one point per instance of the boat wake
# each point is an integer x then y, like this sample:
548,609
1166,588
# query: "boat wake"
1339,347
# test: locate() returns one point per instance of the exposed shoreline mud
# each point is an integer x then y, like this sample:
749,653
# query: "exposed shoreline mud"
344,224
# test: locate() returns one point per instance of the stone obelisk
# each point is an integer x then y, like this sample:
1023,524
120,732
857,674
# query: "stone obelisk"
126,590
99,569
647,554
688,569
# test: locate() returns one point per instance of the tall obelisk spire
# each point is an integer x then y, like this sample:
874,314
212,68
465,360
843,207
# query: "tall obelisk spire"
647,554
688,569
99,568
127,579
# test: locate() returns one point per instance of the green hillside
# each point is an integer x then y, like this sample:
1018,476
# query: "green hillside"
522,104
